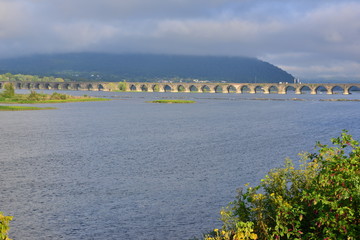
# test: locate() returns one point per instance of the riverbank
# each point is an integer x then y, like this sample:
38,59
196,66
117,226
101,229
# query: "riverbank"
23,108
35,98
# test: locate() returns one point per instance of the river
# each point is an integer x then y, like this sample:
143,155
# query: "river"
128,169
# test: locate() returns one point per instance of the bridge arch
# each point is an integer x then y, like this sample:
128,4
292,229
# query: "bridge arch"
352,89
305,89
336,89
47,86
180,88
205,89
155,87
320,89
259,89
65,86
56,86
36,86
273,89
218,89
290,89
167,88
77,86
245,89
193,88
144,88
89,87
28,85
100,87
132,87
231,89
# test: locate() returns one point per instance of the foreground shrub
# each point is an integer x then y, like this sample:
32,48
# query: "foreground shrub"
4,226
34,96
320,200
9,91
58,96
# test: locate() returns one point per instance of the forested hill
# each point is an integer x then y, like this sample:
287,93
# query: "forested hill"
145,67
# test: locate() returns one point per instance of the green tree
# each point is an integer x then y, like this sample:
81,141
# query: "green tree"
122,86
4,226
320,200
9,91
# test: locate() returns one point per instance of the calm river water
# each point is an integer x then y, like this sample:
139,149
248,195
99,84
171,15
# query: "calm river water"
127,169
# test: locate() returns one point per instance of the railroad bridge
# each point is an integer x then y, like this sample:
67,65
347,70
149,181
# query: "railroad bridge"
265,88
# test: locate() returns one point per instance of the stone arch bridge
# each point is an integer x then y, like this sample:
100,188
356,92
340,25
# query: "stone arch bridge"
265,88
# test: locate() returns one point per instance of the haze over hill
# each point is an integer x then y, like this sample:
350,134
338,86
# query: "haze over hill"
146,67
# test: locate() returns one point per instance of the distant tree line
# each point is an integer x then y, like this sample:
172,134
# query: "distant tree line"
28,78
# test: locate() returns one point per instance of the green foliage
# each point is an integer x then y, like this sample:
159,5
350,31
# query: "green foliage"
320,200
34,96
58,96
241,231
27,78
122,86
23,108
9,91
334,195
4,226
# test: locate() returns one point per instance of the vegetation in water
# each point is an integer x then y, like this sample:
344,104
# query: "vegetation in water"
23,108
8,96
319,200
4,226
340,100
172,101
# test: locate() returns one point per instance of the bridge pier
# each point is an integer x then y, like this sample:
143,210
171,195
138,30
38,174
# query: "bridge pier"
329,91
266,90
252,90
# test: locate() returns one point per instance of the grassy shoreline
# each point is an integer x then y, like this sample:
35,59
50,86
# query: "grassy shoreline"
23,101
23,108
8,96
38,98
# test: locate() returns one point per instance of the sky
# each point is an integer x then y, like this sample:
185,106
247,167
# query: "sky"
310,39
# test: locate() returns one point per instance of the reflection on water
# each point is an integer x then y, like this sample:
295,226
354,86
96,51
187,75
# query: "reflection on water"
127,169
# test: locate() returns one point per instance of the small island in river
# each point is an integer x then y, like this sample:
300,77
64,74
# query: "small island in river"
23,108
8,96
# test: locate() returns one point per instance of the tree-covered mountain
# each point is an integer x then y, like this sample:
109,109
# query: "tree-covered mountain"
146,67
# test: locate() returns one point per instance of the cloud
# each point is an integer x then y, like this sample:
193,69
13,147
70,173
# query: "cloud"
306,37
13,19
